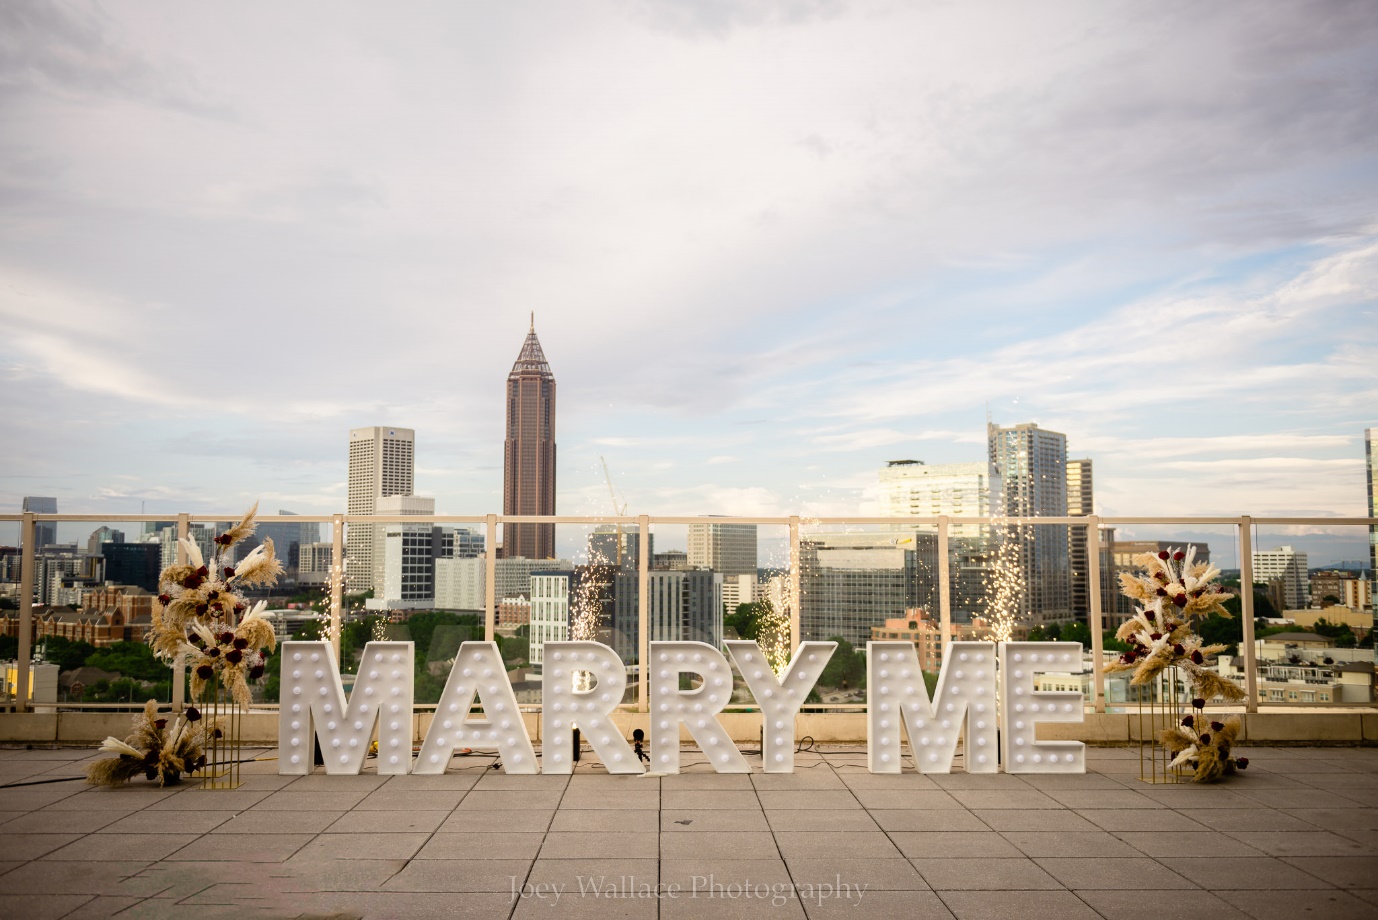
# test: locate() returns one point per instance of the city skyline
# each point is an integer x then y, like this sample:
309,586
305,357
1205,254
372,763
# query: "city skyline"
767,267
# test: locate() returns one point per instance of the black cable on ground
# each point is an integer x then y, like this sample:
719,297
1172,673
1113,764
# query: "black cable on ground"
68,779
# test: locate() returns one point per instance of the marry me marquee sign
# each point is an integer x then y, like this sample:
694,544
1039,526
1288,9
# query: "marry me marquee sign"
988,688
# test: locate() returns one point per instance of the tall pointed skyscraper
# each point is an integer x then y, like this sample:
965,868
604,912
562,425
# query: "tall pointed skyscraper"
529,452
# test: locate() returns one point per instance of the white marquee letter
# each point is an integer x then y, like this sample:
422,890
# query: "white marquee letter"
896,694
1024,706
779,699
697,709
477,671
563,707
313,700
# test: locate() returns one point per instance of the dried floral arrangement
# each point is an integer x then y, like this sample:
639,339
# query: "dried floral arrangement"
1173,595
1203,745
155,749
202,618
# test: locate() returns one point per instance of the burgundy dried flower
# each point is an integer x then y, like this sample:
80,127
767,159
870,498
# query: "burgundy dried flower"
1217,726
212,652
203,571
1242,763
1163,555
1206,739
165,599
1178,649
160,724
201,609
229,571
193,714
191,582
234,656
241,643
256,672
1162,592
1189,720
212,594
1161,576
205,671
222,539
240,608
1155,636
226,638
1180,600
1198,703
1197,657
1179,556
218,733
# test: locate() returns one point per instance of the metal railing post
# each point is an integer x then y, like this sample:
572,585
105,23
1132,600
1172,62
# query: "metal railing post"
643,603
1096,619
337,569
795,596
27,534
490,578
944,584
1246,611
179,668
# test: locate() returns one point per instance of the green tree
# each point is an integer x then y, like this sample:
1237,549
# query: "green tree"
9,648
130,659
846,669
66,653
1263,607
746,621
1111,644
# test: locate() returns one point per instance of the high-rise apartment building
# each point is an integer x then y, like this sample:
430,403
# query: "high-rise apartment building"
101,536
609,544
915,488
1081,503
729,549
1287,567
528,485
44,532
1032,465
381,463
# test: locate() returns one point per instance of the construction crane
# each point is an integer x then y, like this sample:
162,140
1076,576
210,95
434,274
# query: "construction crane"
616,511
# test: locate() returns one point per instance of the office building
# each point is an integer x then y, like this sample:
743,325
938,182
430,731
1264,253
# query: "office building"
314,561
461,583
132,564
729,549
672,560
1032,465
404,555
101,536
738,590
287,541
529,452
1081,503
609,544
45,532
381,464
850,582
681,606
1285,570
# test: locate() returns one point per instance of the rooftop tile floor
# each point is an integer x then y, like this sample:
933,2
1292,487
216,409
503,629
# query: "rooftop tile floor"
1296,836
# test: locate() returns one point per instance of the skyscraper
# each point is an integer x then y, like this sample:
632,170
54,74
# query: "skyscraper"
528,485
1032,464
726,548
44,532
381,463
1288,568
1080,503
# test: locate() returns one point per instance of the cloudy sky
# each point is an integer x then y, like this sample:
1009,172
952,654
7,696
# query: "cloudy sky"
768,246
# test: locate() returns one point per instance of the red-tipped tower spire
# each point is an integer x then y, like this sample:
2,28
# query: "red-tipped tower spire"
529,452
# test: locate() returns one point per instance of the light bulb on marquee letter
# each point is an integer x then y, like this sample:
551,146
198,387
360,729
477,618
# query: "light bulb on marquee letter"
478,671
313,706
696,709
896,696
779,699
1023,707
563,707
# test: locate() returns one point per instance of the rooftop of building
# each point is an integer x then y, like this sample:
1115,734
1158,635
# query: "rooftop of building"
1296,835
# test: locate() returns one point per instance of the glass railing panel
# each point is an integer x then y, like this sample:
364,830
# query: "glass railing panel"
1314,615
1123,542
